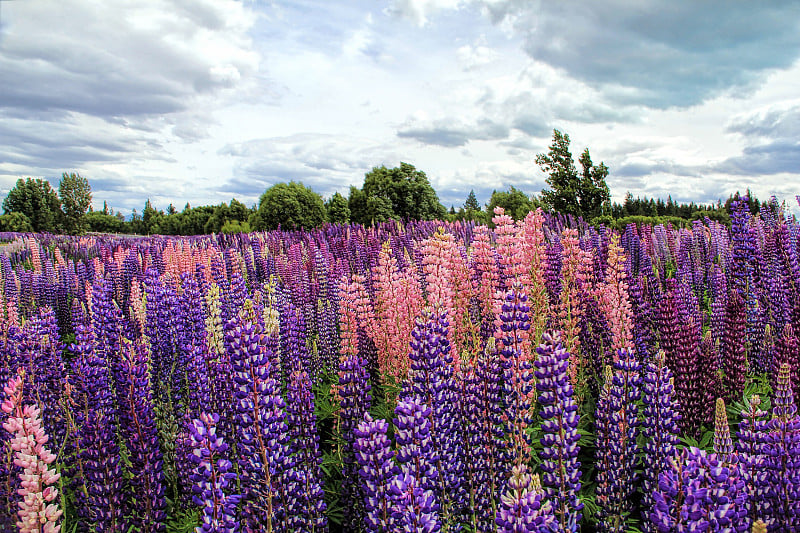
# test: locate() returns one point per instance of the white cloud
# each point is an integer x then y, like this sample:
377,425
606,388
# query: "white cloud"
421,11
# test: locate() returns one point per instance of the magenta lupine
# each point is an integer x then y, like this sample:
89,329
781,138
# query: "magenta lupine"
38,509
523,508
733,349
560,417
211,477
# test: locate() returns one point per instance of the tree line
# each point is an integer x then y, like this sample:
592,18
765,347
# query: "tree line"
400,193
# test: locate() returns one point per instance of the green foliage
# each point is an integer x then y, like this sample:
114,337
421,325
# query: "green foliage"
338,209
37,200
717,215
583,195
290,206
678,222
99,222
236,211
76,199
15,221
401,193
235,226
515,202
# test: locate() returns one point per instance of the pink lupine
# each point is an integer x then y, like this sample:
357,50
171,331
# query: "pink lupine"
509,246
37,512
569,307
614,300
485,265
535,260
398,301
450,285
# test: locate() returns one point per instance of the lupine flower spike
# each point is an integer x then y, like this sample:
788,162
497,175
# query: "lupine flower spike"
38,509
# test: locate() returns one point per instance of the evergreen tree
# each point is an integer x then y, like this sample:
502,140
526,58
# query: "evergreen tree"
581,195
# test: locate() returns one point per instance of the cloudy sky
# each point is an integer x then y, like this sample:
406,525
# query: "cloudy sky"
203,100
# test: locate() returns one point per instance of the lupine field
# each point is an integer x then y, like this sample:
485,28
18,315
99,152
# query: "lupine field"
539,376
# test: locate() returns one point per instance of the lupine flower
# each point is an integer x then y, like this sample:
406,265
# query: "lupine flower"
414,508
353,389
573,280
535,254
37,510
616,476
376,470
485,446
733,349
415,454
306,510
782,451
211,477
660,429
512,343
140,435
614,298
430,378
750,447
560,421
262,434
523,507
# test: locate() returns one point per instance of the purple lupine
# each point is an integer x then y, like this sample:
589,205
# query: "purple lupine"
254,394
730,496
146,503
523,507
415,453
750,447
559,424
430,378
787,350
514,326
39,350
376,470
355,400
660,430
482,411
782,451
414,507
99,452
733,349
679,501
307,510
708,368
616,478
211,477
